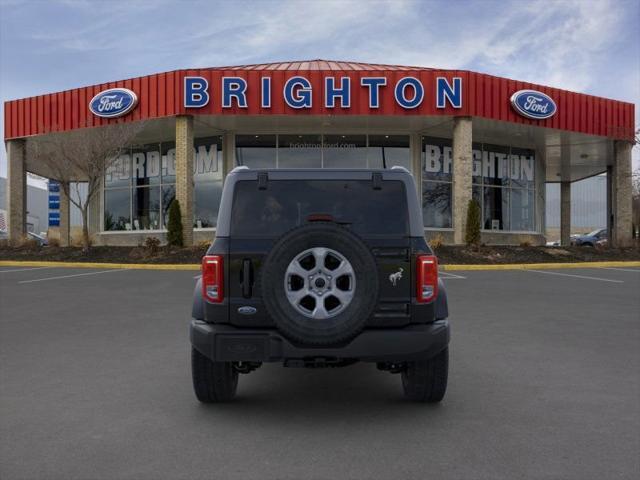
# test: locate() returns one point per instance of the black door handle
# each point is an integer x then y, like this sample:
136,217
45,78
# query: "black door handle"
247,278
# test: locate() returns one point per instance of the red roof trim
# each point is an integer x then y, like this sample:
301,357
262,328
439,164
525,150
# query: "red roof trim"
160,95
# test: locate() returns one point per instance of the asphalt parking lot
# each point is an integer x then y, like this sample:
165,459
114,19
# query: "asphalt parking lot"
95,384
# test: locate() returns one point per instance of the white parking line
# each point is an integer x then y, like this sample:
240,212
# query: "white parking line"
576,276
24,269
637,270
451,275
70,276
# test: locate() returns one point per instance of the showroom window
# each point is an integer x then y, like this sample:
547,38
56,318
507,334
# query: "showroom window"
207,179
503,184
437,176
323,151
256,151
140,186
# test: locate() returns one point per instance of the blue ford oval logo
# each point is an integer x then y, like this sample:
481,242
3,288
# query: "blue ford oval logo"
114,102
533,104
247,310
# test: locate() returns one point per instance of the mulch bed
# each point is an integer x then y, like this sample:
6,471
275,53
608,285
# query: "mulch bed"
514,254
105,254
446,254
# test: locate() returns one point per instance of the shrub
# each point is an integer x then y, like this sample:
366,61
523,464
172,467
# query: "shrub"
54,242
525,243
174,227
152,245
472,233
436,241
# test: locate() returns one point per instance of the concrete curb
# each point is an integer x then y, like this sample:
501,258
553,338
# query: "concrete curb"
128,266
194,266
539,266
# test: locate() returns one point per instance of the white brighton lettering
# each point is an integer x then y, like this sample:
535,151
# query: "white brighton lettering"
477,163
438,159
432,159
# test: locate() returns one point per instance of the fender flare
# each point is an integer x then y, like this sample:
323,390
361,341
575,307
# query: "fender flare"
441,307
197,310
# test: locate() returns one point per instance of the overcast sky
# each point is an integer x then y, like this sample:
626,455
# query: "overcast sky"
581,45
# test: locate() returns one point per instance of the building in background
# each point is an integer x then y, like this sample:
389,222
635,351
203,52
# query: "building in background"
36,208
462,134
588,206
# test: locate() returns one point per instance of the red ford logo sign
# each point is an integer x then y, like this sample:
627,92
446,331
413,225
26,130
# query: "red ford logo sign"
114,102
533,104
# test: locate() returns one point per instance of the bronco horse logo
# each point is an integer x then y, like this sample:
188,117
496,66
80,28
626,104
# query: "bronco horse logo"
394,277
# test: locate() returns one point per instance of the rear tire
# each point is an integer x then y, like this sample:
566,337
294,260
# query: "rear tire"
426,380
213,382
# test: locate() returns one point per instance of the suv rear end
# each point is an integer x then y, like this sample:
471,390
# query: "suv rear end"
319,268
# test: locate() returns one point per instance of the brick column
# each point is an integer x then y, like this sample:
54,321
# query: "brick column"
16,191
184,174
65,217
462,175
565,213
621,185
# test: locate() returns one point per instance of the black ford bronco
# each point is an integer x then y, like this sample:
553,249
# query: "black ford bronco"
319,268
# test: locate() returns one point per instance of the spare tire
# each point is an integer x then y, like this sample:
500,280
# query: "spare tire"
320,284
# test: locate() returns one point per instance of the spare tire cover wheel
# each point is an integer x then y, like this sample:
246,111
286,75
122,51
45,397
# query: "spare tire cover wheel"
320,284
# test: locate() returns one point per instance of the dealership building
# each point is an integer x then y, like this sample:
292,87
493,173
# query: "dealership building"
463,135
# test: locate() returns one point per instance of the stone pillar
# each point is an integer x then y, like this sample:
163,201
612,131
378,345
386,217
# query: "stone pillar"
621,184
184,174
65,216
16,191
565,213
462,175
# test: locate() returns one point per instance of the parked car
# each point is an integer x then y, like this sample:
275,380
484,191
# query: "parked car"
42,240
591,238
319,268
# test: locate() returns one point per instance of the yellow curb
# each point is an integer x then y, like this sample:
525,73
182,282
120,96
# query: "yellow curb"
539,266
129,266
195,266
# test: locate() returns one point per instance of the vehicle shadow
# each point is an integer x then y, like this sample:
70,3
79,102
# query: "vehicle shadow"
360,393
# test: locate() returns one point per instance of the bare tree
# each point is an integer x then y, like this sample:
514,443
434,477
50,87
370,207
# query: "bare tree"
82,156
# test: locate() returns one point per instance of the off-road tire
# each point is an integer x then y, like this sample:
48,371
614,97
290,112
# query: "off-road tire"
344,325
213,382
426,380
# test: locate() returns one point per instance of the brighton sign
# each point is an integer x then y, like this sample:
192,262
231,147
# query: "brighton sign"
533,104
408,92
113,103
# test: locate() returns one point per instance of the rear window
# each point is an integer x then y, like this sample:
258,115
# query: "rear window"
286,204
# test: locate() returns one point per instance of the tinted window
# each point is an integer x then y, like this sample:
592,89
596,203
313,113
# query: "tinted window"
285,204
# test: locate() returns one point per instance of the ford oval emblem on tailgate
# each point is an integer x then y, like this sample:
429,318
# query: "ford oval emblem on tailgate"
246,310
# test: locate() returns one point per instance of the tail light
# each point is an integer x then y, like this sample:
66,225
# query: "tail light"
213,278
426,278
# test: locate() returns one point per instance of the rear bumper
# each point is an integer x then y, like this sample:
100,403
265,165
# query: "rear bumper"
224,343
